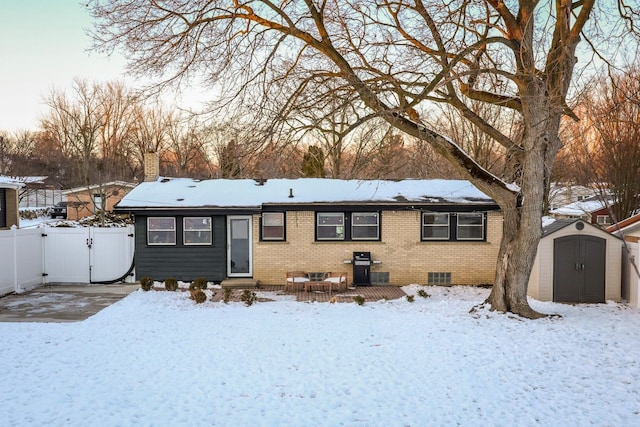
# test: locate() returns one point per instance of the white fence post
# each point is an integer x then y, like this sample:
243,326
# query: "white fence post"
14,240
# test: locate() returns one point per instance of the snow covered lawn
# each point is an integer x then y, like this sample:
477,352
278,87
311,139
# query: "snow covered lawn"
156,358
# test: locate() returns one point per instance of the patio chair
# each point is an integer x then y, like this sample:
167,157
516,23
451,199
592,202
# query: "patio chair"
337,281
295,280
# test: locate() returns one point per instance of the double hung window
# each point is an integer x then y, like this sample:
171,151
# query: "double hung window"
435,226
470,226
330,226
273,226
365,226
347,226
458,226
161,231
197,231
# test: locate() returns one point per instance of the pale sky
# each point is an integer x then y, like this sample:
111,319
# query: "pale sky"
43,46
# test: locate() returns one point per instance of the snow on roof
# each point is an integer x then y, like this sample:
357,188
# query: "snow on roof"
9,182
190,193
625,226
579,208
31,179
121,184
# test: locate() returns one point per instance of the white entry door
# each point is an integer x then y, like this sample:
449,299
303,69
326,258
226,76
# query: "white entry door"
239,242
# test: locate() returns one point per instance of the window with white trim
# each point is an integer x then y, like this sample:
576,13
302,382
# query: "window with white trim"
365,226
330,226
197,230
273,226
470,226
161,231
603,219
435,226
97,202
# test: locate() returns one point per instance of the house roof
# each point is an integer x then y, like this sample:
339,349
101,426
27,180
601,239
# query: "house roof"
120,184
183,193
558,189
579,208
9,182
626,225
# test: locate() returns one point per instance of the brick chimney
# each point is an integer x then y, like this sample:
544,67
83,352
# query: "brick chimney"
151,166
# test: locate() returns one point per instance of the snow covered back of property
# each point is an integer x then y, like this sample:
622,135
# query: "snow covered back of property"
186,192
158,359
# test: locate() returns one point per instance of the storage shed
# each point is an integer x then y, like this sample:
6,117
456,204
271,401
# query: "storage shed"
576,262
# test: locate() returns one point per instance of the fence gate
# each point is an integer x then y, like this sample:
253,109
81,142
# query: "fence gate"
87,254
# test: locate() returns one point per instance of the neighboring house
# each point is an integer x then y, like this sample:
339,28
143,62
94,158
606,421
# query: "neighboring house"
576,262
562,194
39,192
86,201
628,229
413,231
592,210
9,188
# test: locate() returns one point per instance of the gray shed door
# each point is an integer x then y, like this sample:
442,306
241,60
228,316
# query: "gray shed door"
579,269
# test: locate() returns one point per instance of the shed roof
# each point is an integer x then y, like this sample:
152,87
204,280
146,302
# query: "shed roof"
559,224
182,193
556,225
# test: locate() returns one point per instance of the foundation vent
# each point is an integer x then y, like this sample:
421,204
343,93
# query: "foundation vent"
439,278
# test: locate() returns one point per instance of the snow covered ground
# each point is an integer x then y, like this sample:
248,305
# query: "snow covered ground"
157,359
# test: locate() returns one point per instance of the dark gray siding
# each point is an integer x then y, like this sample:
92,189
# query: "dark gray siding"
184,263
3,208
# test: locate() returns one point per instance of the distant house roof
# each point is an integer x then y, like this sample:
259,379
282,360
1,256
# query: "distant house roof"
31,179
577,209
120,184
184,193
626,225
560,189
10,182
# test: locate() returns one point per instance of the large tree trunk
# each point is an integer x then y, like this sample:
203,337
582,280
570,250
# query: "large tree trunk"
515,261
522,230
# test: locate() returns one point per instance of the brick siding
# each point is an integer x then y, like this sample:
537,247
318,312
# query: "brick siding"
400,251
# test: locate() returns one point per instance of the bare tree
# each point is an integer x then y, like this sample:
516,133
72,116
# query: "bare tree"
616,117
187,147
15,149
75,122
149,135
480,145
397,56
278,160
6,153
118,109
603,149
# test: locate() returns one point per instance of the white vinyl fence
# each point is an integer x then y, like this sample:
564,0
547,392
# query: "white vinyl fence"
33,257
